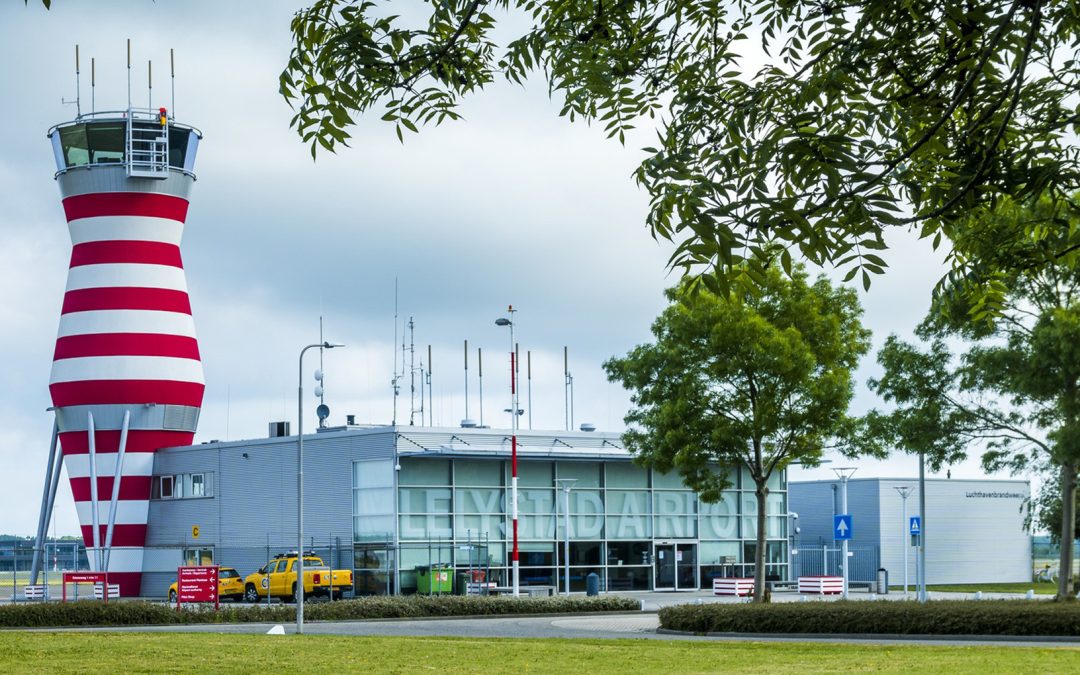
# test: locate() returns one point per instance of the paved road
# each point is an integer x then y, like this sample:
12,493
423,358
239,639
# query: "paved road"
640,626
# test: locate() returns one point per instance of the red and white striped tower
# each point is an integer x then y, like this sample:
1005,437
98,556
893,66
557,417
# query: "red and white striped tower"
126,376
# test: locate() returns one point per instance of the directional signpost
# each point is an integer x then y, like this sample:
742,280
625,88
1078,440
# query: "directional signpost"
842,527
197,584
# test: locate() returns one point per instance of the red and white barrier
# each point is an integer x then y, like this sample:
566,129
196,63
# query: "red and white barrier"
821,585
736,586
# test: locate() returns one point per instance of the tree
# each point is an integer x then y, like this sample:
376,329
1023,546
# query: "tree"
754,380
862,116
1015,391
1045,506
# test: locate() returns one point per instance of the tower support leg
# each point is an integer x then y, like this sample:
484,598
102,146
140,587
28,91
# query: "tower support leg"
96,538
116,487
48,494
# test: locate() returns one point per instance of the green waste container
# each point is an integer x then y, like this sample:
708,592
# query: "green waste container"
434,579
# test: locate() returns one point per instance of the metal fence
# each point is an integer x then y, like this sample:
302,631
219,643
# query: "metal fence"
16,559
863,562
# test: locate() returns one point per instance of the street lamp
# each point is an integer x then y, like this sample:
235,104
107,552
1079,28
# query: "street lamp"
904,492
566,484
300,485
844,473
920,566
503,321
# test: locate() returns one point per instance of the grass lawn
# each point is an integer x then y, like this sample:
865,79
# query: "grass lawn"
1040,587
26,652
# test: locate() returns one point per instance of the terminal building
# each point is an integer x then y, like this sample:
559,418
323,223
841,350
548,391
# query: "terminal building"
974,529
390,500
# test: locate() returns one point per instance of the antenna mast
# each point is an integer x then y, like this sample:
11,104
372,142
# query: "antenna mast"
172,100
412,374
466,379
129,72
566,384
431,400
93,84
480,372
149,84
393,360
528,372
78,103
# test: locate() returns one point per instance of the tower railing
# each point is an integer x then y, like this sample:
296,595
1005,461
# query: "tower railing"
147,148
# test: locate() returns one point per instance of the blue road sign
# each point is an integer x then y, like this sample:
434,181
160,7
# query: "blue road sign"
842,527
915,526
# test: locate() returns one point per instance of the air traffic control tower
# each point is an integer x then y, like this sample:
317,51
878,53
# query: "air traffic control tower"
126,376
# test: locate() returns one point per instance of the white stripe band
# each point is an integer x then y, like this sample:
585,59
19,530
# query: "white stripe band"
122,559
135,464
125,228
126,321
128,512
126,368
123,275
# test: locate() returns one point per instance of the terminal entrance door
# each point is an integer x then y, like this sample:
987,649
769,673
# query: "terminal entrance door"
675,567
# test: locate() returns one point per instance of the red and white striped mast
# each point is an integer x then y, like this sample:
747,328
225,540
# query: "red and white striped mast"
513,448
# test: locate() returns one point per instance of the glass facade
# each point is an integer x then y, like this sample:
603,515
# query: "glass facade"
635,528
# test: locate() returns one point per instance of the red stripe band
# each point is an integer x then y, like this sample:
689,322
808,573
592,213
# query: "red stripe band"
108,441
146,204
160,299
131,488
127,534
126,344
143,252
90,392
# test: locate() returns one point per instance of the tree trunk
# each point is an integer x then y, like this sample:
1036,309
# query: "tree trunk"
1068,529
761,492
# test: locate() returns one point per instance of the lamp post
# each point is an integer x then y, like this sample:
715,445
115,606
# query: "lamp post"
300,485
921,562
904,492
503,321
566,484
844,473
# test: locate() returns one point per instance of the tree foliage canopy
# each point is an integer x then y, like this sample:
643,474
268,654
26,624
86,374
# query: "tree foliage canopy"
754,380
1015,391
814,124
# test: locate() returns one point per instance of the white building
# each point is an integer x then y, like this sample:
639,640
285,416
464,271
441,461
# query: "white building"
974,529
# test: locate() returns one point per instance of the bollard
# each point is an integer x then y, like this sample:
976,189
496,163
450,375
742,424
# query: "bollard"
1030,595
978,595
592,584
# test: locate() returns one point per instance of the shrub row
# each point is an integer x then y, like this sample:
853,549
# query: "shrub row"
958,617
138,613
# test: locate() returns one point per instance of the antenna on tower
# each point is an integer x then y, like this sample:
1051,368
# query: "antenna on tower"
172,85
129,72
78,96
77,101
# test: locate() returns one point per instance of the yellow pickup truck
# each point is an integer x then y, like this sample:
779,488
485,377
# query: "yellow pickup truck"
278,579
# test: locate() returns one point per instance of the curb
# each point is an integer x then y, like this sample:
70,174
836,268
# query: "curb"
1066,639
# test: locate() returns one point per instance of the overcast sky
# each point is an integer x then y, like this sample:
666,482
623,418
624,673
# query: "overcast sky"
511,205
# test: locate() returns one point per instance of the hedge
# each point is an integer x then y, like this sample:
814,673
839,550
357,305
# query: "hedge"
140,613
956,617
